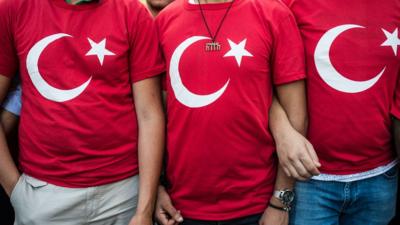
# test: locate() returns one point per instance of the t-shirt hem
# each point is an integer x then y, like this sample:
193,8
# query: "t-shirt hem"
6,73
71,184
348,171
395,113
289,79
156,71
224,216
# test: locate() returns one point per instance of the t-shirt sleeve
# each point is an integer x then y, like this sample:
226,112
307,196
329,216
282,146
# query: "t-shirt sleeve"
288,60
8,57
145,57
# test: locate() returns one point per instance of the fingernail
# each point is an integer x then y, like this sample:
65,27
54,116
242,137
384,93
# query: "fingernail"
180,218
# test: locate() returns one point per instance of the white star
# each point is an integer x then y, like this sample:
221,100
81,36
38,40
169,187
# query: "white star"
392,39
238,51
99,49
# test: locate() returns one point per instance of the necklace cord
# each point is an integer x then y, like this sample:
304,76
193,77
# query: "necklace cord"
214,37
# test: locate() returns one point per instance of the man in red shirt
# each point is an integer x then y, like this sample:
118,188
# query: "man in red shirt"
352,66
91,100
224,60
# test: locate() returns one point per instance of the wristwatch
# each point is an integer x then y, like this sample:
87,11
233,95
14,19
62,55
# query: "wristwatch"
286,196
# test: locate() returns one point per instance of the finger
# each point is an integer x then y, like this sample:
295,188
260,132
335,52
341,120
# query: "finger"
175,214
162,217
286,171
313,154
172,222
293,173
309,164
301,170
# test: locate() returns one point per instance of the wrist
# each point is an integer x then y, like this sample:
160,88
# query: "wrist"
144,212
283,209
276,202
281,135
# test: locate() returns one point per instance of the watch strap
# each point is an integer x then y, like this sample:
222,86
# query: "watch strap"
285,208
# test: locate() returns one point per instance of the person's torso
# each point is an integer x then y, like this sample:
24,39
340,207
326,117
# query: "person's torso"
221,162
78,124
352,67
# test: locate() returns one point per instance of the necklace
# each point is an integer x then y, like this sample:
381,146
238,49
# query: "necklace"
213,45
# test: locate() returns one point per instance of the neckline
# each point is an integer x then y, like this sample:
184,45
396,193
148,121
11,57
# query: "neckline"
210,6
63,4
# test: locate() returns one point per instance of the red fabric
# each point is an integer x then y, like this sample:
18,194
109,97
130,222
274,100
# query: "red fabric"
90,139
350,131
221,157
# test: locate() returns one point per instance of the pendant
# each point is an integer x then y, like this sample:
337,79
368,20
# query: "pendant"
213,46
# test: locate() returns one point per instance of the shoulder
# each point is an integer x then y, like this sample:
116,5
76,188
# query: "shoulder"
132,8
170,12
174,8
272,8
8,12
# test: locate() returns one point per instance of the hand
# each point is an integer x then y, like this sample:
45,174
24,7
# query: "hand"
297,156
141,220
165,213
273,216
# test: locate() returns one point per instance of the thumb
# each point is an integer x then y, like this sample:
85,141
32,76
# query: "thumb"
313,154
175,214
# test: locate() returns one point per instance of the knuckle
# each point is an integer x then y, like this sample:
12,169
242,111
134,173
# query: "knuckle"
292,157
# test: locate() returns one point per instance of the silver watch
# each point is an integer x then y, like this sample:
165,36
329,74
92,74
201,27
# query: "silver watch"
286,196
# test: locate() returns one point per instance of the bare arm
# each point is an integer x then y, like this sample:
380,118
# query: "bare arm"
8,171
296,154
9,121
293,99
151,122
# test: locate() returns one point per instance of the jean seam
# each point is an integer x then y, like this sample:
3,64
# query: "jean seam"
346,197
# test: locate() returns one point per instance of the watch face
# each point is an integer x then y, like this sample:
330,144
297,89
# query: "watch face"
287,197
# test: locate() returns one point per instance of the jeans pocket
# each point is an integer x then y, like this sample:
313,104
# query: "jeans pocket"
392,173
35,183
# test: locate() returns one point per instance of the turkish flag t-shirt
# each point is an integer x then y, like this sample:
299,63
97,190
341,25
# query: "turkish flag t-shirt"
77,63
352,67
221,160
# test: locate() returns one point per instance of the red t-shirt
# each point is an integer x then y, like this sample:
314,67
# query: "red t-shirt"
78,124
221,157
353,70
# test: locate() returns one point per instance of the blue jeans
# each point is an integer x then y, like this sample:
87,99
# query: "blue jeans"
370,201
248,220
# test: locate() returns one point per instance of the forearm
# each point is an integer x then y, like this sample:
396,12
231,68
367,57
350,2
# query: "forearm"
288,115
279,123
8,171
151,144
9,121
290,107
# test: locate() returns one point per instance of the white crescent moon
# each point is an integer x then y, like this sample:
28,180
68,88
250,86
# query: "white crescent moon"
45,89
328,72
182,94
